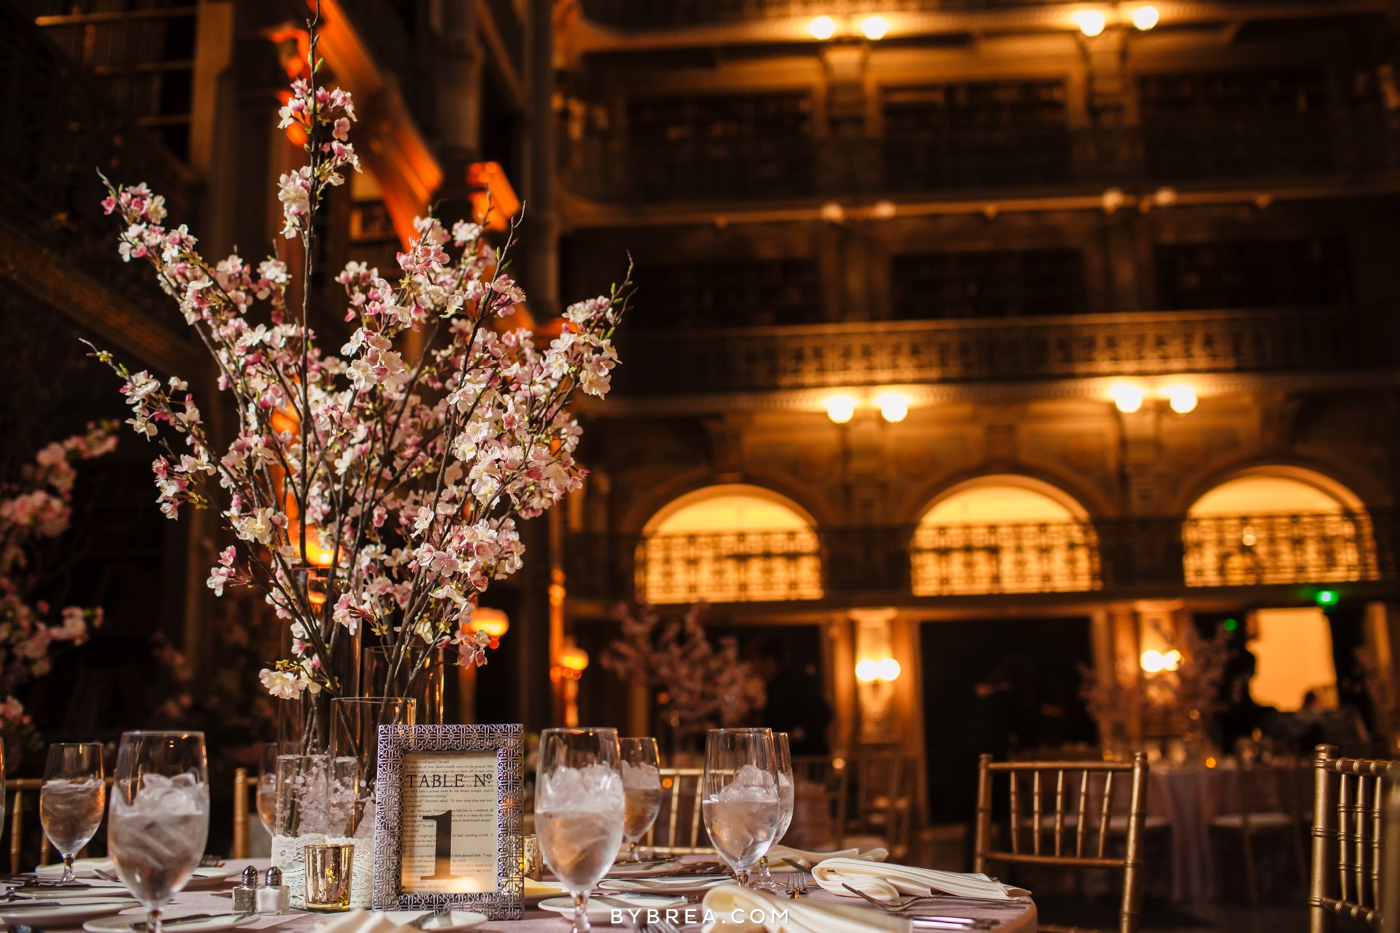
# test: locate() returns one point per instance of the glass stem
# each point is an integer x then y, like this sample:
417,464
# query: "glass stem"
634,853
68,868
580,914
742,877
153,920
764,875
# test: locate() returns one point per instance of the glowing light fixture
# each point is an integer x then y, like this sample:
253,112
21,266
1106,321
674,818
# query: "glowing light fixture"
1182,398
1171,660
1326,598
1090,22
574,658
840,407
867,671
823,27
1145,17
875,27
888,670
894,406
1126,397
491,621
1152,661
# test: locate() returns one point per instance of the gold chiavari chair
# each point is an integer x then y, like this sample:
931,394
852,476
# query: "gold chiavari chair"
1076,820
18,790
242,783
683,787
1390,864
819,802
884,802
1348,809
1269,803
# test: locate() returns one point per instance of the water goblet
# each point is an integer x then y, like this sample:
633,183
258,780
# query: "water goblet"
160,815
579,806
641,784
740,796
786,786
73,798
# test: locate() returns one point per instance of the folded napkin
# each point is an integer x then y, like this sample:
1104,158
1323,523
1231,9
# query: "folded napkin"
79,866
806,858
535,888
362,921
883,882
733,909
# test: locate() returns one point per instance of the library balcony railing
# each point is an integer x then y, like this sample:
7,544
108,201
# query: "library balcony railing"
1235,550
60,129
671,14
740,566
968,559
980,159
1006,349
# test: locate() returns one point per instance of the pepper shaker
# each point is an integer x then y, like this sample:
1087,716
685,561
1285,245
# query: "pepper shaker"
245,893
274,897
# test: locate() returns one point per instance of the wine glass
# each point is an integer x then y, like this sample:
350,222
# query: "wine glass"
641,784
579,806
267,786
786,785
740,794
160,815
73,798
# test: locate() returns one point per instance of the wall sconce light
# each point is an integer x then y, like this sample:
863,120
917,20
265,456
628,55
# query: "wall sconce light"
493,622
840,407
1090,22
875,27
1154,662
1126,397
894,406
870,670
574,658
823,27
1181,398
1145,17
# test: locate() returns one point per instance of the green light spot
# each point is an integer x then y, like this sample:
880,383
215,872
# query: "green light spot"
1326,597
1231,625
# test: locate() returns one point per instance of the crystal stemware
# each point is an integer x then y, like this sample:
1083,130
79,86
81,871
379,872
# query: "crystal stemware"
160,815
641,784
786,786
740,793
579,806
73,798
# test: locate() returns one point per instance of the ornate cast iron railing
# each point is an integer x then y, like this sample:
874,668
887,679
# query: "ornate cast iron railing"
1026,557
723,567
1233,550
666,14
872,353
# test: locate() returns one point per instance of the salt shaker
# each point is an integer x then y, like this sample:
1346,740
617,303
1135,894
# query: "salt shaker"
245,893
274,897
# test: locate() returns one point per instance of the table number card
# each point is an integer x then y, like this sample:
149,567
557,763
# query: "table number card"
448,819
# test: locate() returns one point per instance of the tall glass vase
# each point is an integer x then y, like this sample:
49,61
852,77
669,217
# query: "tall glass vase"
424,683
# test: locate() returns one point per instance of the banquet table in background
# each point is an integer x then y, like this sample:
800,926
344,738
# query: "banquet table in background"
535,921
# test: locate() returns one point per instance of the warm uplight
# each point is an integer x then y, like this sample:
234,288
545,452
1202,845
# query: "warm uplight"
875,27
894,406
1145,17
823,27
1152,661
491,621
887,670
1182,398
867,671
1171,660
574,658
840,408
1090,22
1126,396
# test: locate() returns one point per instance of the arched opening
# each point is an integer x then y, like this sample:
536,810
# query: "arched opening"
1277,526
727,544
1004,534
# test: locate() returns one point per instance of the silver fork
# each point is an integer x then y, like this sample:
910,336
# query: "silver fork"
796,884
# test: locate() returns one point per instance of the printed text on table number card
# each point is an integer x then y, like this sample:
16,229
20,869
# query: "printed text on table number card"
451,823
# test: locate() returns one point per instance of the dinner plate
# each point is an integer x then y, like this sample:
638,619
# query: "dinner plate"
461,919
94,888
83,868
646,868
685,884
125,924
601,907
536,891
68,912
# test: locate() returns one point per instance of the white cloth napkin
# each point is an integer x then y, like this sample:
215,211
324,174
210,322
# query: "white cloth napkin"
806,858
883,882
79,866
362,921
733,909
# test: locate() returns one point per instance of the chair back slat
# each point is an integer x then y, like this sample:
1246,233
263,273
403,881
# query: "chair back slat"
678,780
1349,803
1080,811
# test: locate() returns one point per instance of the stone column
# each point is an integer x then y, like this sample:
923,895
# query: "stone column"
541,211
